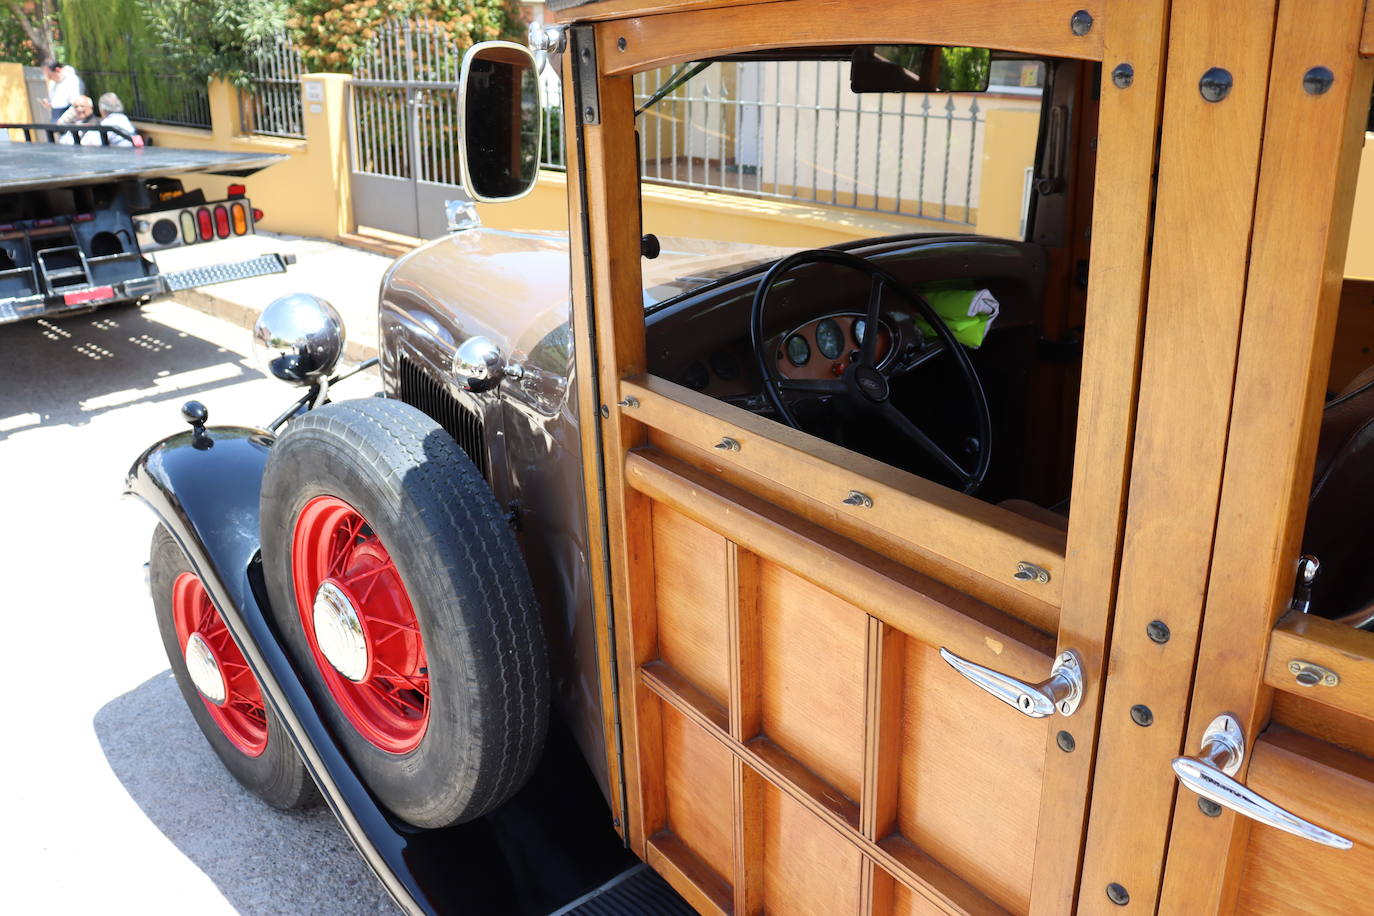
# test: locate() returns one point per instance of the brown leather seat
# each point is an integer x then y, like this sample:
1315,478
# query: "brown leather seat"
1340,516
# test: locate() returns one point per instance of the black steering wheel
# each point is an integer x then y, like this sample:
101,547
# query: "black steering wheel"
864,385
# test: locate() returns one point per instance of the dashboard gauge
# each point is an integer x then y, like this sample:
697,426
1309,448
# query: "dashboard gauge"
696,377
859,331
725,365
829,339
798,350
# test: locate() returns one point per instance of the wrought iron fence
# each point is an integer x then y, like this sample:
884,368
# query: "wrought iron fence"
273,105
149,90
794,131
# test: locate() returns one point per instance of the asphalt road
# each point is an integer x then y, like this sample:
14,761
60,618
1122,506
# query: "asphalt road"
112,800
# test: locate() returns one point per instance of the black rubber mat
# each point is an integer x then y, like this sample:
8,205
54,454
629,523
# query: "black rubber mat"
636,892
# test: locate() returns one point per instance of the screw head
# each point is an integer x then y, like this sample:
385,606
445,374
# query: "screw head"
1123,75
1081,23
1317,80
621,44
588,114
1209,807
586,55
1215,84
605,411
1066,742
1142,715
1158,631
1118,894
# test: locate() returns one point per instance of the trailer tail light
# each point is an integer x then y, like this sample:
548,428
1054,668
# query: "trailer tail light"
85,217
188,227
237,190
257,215
222,221
207,226
240,214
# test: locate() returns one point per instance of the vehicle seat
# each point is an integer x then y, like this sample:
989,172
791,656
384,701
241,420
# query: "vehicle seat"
1340,516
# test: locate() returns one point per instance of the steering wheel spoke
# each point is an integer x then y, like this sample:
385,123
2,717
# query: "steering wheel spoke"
926,444
811,385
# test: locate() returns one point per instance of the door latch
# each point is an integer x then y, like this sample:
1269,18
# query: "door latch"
1062,691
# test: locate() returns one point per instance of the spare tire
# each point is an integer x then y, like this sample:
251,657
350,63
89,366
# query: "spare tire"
401,595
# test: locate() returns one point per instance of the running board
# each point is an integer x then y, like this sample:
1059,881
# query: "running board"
637,891
223,273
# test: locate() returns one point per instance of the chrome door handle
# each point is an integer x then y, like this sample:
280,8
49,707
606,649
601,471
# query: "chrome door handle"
1062,690
1210,773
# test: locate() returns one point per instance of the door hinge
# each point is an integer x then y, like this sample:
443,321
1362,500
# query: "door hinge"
584,51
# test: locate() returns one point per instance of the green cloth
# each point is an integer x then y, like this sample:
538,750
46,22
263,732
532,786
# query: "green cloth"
968,313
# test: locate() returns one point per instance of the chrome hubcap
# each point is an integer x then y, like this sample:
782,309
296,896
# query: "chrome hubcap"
339,632
204,669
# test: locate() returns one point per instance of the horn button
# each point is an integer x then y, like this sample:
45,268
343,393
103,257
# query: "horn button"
867,383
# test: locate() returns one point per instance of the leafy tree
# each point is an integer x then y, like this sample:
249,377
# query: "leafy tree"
332,34
29,31
204,38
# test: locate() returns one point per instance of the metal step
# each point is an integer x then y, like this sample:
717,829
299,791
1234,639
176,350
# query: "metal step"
223,273
638,891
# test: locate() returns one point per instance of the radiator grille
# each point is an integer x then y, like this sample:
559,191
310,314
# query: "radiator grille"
421,391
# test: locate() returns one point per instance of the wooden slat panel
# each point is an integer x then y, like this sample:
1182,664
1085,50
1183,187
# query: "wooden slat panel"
883,738
813,650
698,785
691,597
1303,206
939,889
666,682
970,779
1208,161
1301,713
1122,209
1348,652
1037,28
746,698
956,529
919,607
1286,874
807,869
1367,32
749,787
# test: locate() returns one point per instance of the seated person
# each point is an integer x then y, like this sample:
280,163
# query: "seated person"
80,112
112,115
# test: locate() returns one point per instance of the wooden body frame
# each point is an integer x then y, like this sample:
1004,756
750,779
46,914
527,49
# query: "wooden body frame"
688,708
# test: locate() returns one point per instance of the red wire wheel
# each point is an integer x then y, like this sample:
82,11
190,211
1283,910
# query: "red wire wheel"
360,625
240,714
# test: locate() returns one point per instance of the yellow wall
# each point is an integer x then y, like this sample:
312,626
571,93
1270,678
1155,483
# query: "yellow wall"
1008,148
1359,256
308,193
14,98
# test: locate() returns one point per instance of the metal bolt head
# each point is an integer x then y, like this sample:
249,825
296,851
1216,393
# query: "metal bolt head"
589,114
1317,80
621,44
1118,894
1215,84
1081,23
605,411
1142,715
1066,742
1209,807
1158,631
1123,75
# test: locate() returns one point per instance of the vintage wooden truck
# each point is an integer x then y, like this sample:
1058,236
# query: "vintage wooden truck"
844,613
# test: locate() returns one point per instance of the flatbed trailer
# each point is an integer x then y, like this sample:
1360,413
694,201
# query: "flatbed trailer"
77,224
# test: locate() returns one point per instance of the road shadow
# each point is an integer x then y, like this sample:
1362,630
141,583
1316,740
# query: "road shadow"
65,371
264,861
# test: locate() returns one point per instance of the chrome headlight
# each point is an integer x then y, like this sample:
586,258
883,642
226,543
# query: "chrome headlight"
298,338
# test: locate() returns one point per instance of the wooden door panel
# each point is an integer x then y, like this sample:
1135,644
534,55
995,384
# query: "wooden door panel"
835,762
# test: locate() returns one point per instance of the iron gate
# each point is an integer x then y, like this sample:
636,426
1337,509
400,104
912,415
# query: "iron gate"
404,130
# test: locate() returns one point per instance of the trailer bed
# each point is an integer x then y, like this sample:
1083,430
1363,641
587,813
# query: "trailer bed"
41,166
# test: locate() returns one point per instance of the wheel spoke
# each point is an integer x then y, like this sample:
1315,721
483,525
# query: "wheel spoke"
391,695
421,687
392,623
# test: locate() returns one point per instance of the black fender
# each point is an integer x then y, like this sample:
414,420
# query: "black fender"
204,487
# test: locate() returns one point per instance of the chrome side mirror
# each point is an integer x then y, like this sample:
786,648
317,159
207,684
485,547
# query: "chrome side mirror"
298,339
479,365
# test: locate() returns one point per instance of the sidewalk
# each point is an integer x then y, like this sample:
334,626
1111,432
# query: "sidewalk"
349,278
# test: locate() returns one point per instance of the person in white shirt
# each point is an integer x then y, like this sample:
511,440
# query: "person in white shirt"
64,85
112,115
